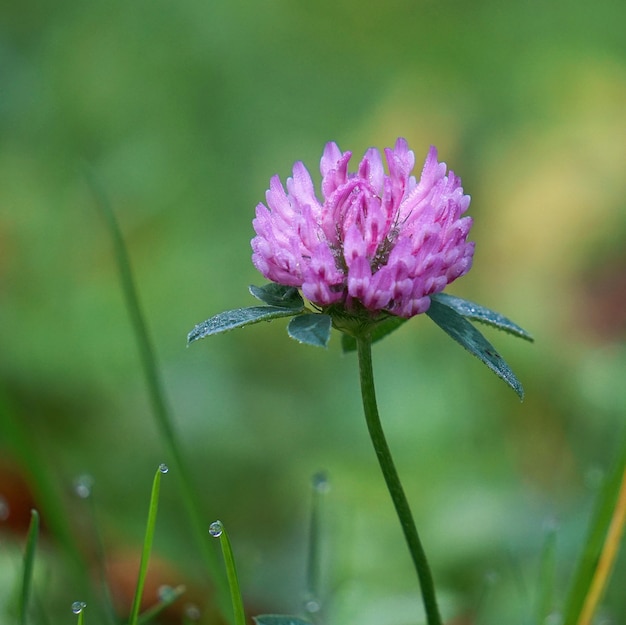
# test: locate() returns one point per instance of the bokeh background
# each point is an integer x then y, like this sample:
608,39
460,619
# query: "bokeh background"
182,112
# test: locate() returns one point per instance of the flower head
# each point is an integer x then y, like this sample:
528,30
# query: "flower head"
380,242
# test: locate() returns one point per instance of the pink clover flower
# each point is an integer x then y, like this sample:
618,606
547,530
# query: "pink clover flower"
378,241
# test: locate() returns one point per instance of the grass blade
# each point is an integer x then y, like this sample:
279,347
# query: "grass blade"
172,595
78,607
147,544
15,431
217,530
161,410
547,575
29,564
607,557
320,487
601,547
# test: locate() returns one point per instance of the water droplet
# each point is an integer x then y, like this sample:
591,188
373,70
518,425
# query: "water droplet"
5,509
165,593
163,468
554,619
83,485
192,612
320,482
216,529
312,606
78,606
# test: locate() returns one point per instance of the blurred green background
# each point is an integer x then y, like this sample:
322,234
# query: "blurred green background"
183,111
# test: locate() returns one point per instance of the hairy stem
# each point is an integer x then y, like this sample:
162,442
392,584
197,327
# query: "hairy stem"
393,481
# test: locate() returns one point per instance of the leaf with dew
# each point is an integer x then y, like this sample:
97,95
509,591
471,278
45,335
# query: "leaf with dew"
469,337
238,318
312,329
476,312
278,295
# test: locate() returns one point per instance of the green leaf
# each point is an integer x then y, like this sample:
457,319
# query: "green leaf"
279,619
475,312
311,328
380,331
469,337
278,295
238,318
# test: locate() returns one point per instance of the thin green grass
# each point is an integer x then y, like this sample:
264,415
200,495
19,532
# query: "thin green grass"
147,544
607,524
29,565
217,530
547,576
84,489
161,410
14,431
78,607
312,602
166,600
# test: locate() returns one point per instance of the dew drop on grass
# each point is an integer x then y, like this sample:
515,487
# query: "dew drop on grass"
163,468
320,482
216,529
78,606
165,593
192,612
83,485
5,510
312,606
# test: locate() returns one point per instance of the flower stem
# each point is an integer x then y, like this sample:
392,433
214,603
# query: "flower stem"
392,480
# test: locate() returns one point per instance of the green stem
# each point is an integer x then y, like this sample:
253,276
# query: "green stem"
392,480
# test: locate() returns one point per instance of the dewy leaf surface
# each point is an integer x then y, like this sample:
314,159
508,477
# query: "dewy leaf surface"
238,318
312,329
469,337
476,312
278,295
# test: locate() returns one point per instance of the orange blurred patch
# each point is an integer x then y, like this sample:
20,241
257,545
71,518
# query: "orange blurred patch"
16,498
122,569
